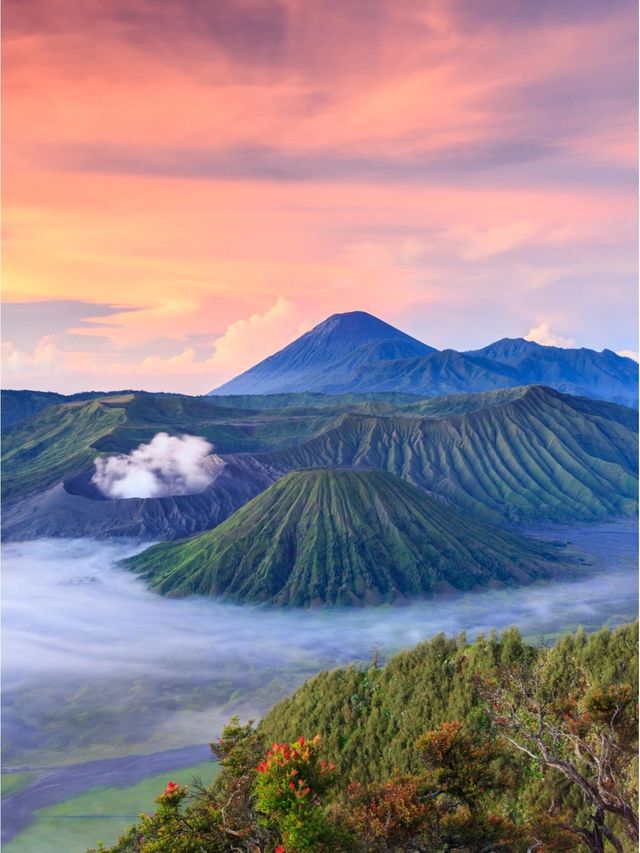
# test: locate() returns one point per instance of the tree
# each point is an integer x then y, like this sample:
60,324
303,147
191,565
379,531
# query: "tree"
584,731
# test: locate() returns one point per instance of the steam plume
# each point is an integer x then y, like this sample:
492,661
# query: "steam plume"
167,465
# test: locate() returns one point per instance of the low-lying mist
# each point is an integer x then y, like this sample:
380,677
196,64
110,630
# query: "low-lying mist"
96,664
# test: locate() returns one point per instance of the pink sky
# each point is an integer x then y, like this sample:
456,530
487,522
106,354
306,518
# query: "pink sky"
190,185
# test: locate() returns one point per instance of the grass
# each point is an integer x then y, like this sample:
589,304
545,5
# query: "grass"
340,537
100,814
533,454
13,782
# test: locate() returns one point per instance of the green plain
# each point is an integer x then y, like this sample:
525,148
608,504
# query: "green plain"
100,814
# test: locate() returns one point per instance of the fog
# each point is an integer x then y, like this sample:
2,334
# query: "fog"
89,652
167,465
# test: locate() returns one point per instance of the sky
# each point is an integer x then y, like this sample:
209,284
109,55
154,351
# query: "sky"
189,185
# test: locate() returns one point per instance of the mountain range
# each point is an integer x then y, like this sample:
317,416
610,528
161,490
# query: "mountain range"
357,352
355,466
516,454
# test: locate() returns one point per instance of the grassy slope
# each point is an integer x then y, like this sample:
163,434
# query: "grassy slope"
61,440
538,454
369,719
13,782
56,442
340,537
102,813
514,453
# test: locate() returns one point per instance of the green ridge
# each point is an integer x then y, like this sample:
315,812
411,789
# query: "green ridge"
340,537
370,718
516,455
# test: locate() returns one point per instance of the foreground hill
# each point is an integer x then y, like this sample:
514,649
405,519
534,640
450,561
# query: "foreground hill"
495,746
341,537
356,352
369,719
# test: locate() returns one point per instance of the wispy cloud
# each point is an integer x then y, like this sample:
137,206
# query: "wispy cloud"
421,160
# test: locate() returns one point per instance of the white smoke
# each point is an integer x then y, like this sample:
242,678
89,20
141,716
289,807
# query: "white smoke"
167,465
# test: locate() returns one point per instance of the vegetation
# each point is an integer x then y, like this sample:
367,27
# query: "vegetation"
490,746
341,537
103,812
535,454
514,454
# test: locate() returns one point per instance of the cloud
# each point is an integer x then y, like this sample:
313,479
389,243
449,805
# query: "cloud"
244,343
543,334
167,465
23,322
629,353
44,359
479,244
247,341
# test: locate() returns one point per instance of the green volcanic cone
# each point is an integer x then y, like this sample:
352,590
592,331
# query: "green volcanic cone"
341,537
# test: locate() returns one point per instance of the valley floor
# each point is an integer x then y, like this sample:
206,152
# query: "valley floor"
97,669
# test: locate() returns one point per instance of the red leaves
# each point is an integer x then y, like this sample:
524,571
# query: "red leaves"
394,811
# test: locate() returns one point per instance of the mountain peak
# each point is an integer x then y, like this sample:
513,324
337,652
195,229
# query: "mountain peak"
507,347
306,362
364,326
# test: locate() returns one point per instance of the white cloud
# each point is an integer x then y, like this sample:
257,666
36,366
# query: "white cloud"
629,353
247,341
244,343
45,357
543,334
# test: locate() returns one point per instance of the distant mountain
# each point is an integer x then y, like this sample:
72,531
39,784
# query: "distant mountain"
434,375
357,353
20,404
602,375
341,537
332,345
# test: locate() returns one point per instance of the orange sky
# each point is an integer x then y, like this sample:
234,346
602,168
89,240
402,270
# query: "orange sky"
189,185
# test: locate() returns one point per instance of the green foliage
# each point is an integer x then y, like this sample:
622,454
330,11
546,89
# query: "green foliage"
370,719
462,785
341,537
291,783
